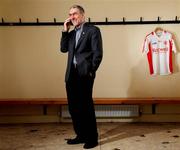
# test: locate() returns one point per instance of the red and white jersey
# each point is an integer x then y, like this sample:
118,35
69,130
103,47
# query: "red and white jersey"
159,52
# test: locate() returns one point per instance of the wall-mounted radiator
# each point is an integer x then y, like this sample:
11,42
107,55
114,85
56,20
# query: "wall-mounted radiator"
107,111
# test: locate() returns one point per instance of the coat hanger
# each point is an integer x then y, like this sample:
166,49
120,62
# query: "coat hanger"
158,29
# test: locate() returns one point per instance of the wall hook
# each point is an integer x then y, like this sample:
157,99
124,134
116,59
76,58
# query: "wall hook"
158,18
2,20
106,19
89,20
141,19
20,20
54,20
124,19
37,20
176,18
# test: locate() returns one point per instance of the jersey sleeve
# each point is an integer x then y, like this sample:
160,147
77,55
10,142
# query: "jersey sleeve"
146,46
173,44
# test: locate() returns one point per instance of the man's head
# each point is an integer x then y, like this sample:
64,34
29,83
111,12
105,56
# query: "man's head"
77,15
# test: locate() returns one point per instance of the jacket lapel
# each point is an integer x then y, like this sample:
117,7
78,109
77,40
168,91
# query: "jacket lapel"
73,40
83,33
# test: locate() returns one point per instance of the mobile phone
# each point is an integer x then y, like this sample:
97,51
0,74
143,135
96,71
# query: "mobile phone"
70,23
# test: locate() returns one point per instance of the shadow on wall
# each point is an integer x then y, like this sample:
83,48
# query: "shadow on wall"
140,83
175,56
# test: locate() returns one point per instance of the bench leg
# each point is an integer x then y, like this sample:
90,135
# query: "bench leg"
153,109
44,109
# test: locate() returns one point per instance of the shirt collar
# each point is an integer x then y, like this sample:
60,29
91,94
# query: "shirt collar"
80,27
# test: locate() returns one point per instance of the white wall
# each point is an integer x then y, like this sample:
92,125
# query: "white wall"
32,66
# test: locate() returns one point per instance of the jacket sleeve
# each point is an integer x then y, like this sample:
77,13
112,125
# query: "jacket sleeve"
97,49
64,42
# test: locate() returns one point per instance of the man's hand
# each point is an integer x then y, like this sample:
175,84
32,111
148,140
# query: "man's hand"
67,25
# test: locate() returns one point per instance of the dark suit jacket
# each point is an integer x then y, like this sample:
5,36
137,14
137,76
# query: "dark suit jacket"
88,51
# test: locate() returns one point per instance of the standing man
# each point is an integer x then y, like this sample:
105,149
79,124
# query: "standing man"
84,47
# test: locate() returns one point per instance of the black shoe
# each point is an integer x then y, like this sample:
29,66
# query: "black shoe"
90,145
75,141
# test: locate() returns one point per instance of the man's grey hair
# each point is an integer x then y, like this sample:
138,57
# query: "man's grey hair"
80,8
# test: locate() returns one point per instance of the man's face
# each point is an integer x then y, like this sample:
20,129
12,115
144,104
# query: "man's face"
77,18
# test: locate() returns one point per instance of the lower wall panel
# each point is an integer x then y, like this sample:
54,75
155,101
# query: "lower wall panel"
29,119
34,114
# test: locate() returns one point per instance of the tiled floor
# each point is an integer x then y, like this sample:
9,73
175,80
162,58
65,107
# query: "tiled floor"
113,136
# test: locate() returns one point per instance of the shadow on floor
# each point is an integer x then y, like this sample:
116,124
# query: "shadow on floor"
127,130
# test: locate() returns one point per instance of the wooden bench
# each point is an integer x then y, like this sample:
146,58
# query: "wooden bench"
97,101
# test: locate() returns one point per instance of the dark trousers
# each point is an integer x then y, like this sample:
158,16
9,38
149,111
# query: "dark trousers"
81,107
